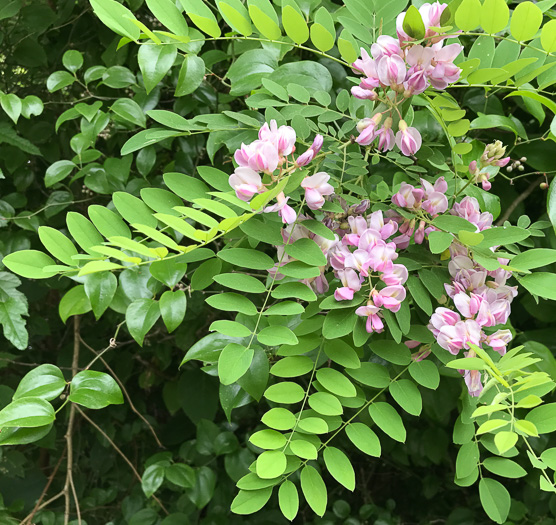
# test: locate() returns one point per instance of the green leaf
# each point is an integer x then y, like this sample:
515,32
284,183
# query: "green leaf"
336,382
230,328
107,222
95,390
30,264
526,21
323,32
27,412
342,353
192,73
545,101
140,317
468,15
504,467
129,110
453,224
407,395
293,366
268,439
371,374
13,305
232,302
308,74
59,80
265,19
46,382
340,467
133,210
58,245
494,15
425,373
250,501
388,420
364,439
100,289
288,500
241,282
247,72
155,61
279,419
296,290
325,404
271,464
544,418
201,16
235,14
495,499
314,490
172,308
31,105
152,479
168,14
277,335
83,231
72,60
74,302
548,36
58,171
413,23
117,17
439,241
505,440
285,392
396,353
542,284
12,105
307,251
420,294
294,22
338,323
246,258
233,362
22,435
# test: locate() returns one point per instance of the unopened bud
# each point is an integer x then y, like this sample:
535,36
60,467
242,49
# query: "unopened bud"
509,169
523,159
544,186
521,168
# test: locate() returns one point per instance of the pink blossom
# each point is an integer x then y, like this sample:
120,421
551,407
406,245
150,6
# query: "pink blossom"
376,222
369,239
390,297
502,162
259,156
246,182
367,129
473,381
469,209
404,197
305,158
454,338
386,139
283,137
391,71
363,94
408,139
367,66
468,305
284,210
385,46
374,322
402,35
381,254
420,57
351,284
420,233
316,186
442,317
358,225
499,340
360,260
416,83
431,13
394,274
444,71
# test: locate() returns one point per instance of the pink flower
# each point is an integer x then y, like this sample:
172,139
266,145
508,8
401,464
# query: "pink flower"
473,381
402,35
420,233
444,71
246,182
386,139
390,297
419,57
499,340
391,71
259,156
369,239
367,66
316,186
469,209
385,46
468,305
368,129
351,284
363,94
284,210
431,13
382,254
454,338
374,322
404,198
310,154
376,222
502,162
442,317
416,83
358,226
360,260
394,274
408,139
282,137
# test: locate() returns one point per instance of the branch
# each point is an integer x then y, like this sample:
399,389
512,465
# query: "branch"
520,198
115,447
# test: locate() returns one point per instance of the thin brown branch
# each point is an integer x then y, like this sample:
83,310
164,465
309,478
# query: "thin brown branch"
126,394
520,198
125,458
68,485
39,505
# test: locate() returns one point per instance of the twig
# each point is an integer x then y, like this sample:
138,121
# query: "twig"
126,394
39,505
115,447
69,433
520,198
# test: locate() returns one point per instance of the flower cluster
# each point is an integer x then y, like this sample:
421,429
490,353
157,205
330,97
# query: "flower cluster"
294,232
406,69
429,198
269,153
482,300
364,254
468,209
490,162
